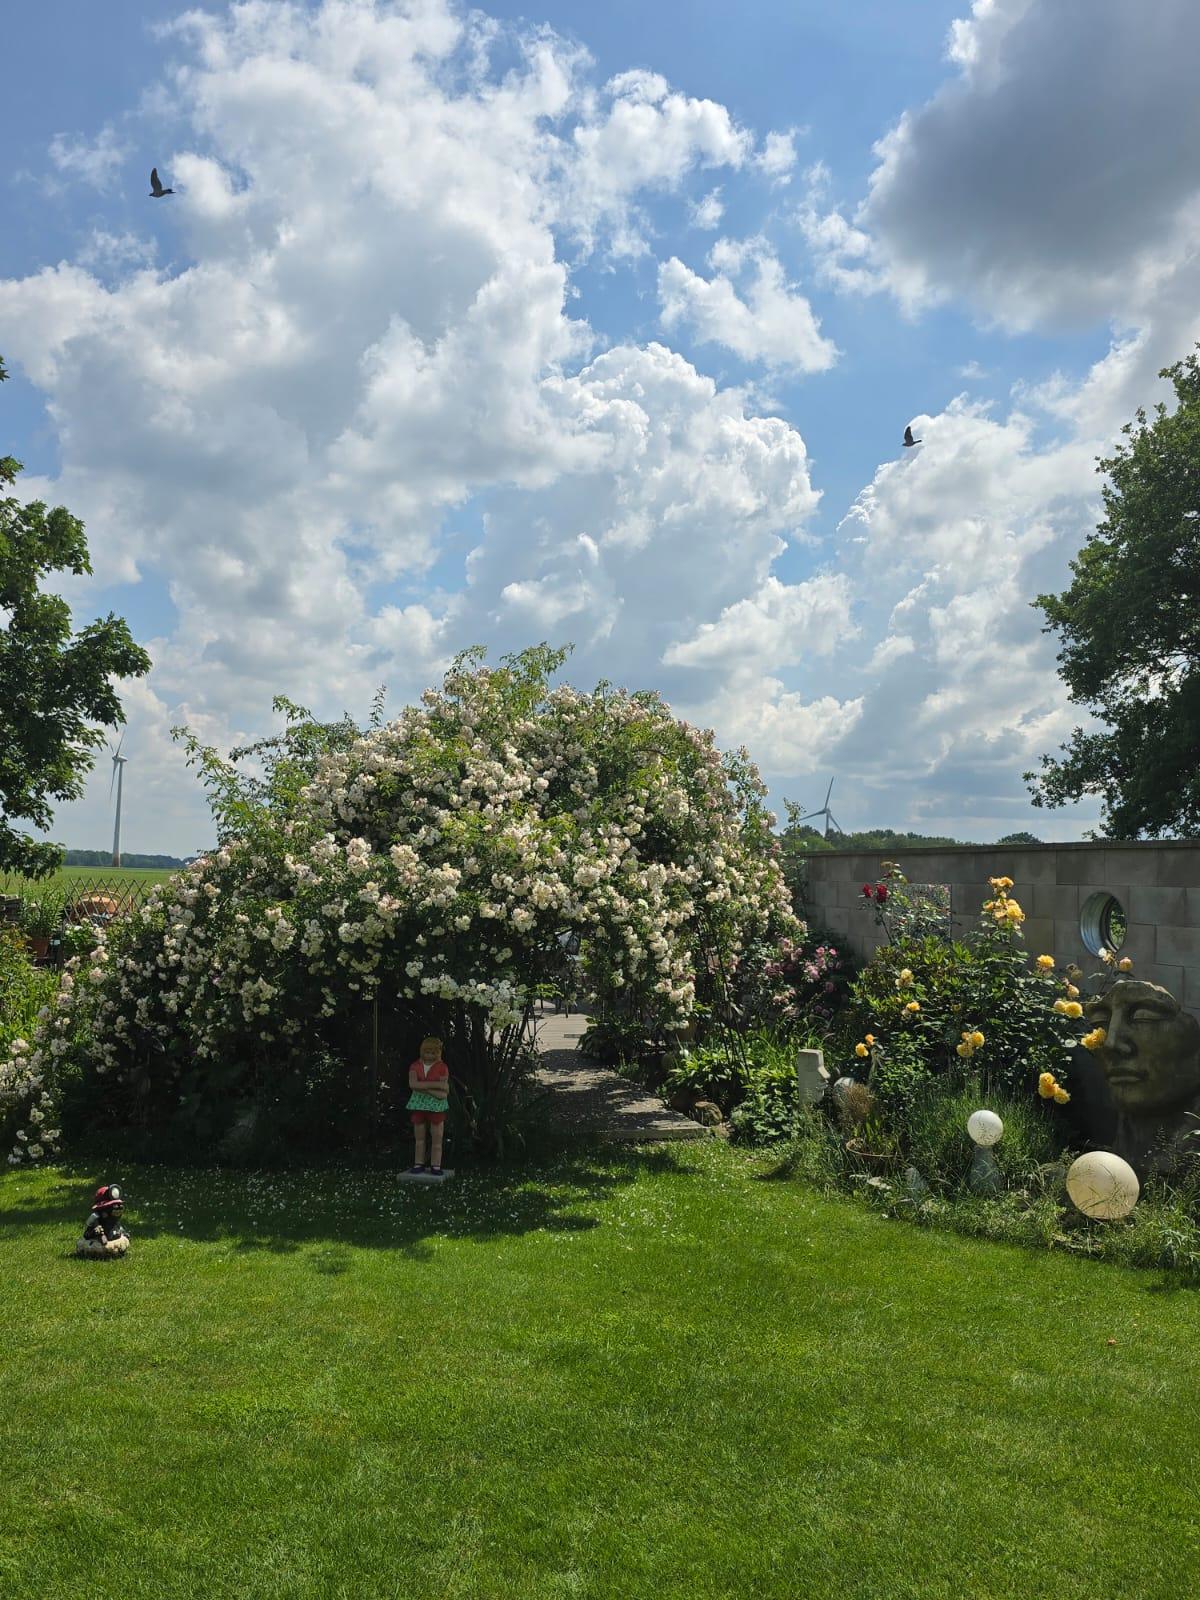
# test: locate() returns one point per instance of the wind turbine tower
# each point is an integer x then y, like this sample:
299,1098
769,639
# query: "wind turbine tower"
118,774
825,812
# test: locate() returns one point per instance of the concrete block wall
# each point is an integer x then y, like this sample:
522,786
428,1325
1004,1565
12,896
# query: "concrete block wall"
1156,883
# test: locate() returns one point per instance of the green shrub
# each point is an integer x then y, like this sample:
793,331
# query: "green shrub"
769,1110
726,1071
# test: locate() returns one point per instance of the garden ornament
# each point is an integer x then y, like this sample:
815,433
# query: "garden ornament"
985,1127
429,1080
1102,1185
915,1186
985,1176
812,1078
1149,1052
103,1234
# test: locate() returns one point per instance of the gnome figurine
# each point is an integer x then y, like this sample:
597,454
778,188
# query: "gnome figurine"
103,1234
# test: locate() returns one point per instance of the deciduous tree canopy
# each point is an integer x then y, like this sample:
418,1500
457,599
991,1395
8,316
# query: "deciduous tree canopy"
1130,629
54,689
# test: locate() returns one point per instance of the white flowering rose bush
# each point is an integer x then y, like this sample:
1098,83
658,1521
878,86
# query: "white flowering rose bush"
439,862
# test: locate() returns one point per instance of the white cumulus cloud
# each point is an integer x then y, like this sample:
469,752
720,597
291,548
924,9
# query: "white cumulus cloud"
770,321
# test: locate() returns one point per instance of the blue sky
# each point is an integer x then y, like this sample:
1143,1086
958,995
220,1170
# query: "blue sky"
601,325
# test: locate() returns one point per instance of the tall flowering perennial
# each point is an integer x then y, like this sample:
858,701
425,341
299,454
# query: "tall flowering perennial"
976,1006
437,863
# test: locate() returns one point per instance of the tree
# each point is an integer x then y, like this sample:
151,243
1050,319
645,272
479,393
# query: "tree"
51,685
1130,626
1019,838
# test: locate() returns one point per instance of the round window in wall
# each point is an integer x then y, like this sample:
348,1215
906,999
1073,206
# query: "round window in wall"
1102,923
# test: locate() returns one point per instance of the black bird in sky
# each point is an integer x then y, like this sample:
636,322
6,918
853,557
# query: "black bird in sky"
156,189
908,438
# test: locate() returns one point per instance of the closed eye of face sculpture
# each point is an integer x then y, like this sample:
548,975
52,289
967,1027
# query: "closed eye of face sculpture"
1151,1052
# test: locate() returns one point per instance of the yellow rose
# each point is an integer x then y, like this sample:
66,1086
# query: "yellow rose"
1107,957
1047,1085
977,1038
1125,964
1061,1007
1093,1040
963,1049
1013,912
1046,963
869,1037
1061,1096
1073,1009
905,978
861,1050
913,1005
1072,992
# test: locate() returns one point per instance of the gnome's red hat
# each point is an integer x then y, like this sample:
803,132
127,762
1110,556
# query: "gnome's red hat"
108,1195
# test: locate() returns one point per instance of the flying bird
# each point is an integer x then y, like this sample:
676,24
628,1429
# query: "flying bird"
908,437
156,189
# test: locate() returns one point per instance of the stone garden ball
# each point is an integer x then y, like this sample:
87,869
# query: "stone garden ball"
1102,1185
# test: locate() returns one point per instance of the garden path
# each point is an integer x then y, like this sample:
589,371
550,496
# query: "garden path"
593,1101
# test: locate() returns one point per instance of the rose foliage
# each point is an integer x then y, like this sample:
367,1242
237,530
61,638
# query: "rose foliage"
441,862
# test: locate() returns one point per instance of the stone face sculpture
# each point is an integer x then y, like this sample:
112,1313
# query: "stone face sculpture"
1150,1058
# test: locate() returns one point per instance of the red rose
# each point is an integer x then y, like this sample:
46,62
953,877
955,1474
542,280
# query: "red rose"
867,890
881,892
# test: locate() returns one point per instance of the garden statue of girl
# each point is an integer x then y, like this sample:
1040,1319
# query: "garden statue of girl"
103,1234
429,1080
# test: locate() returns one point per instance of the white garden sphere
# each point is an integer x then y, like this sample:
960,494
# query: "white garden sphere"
984,1127
1102,1185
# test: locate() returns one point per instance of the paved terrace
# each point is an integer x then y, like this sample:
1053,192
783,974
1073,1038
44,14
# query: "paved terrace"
592,1101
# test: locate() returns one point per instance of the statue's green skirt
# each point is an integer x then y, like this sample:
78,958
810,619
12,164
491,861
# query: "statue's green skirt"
420,1100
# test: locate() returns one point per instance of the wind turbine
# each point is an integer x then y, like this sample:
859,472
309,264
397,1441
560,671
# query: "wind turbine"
825,812
118,774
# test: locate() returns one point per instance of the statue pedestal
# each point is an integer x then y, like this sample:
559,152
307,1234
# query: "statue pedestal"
985,1176
426,1177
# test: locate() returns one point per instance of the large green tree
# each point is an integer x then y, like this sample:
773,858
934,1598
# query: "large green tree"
53,687
1130,630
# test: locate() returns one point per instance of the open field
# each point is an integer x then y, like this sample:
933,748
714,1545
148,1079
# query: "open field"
663,1372
81,878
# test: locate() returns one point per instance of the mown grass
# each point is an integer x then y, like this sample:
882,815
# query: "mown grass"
652,1372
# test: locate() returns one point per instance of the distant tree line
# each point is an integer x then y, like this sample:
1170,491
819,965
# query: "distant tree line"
800,838
103,858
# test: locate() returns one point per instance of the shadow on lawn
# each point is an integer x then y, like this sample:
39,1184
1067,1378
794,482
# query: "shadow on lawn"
344,1208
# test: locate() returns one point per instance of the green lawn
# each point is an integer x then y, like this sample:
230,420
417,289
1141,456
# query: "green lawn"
651,1373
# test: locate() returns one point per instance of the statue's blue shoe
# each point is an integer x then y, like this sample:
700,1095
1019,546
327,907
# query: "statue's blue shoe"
421,1168
435,1172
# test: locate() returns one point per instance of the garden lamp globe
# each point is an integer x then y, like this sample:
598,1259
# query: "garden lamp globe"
985,1127
1102,1185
